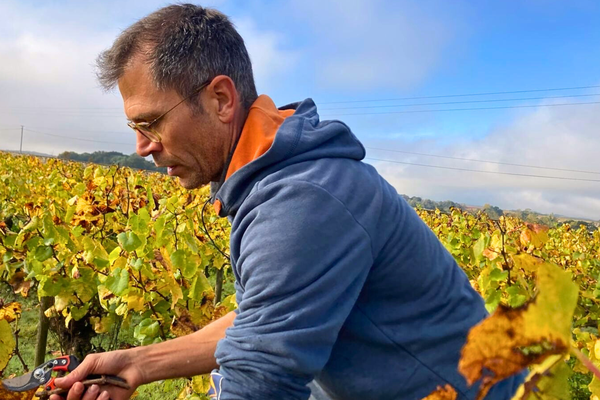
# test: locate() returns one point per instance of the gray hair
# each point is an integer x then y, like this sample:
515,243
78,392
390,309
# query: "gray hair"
185,45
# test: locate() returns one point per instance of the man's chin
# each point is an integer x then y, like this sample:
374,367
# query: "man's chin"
189,183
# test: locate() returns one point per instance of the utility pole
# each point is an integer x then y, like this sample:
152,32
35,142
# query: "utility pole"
21,147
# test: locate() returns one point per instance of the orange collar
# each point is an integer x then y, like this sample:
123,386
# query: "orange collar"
258,134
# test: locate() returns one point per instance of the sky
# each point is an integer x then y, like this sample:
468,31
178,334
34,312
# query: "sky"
422,84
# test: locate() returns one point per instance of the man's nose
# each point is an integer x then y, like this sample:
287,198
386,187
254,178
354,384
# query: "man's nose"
144,146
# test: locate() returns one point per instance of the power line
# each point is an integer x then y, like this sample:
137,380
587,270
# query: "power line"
463,102
463,95
485,161
83,130
67,113
466,109
484,172
67,108
109,111
75,138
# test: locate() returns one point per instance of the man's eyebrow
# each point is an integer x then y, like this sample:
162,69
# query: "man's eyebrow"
145,117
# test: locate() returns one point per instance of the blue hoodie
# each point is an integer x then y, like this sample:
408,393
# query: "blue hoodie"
337,278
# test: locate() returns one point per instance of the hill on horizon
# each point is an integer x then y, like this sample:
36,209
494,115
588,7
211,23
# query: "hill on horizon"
112,158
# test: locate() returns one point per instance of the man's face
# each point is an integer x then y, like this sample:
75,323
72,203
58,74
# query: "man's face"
193,146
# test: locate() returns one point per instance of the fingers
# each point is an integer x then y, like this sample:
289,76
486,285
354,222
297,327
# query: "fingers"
104,396
94,393
91,393
80,373
74,393
78,392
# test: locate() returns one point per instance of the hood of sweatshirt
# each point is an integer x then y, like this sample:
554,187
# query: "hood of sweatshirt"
272,139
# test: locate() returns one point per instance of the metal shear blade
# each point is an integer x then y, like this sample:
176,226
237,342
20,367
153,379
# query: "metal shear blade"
21,383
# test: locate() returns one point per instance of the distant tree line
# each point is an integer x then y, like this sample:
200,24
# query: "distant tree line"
551,220
495,212
432,205
112,158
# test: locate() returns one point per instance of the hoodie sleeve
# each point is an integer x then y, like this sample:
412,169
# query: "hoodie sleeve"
302,260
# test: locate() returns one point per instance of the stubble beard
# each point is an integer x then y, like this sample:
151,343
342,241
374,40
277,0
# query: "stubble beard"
191,183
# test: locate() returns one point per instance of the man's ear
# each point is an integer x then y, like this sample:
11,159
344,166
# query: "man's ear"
223,98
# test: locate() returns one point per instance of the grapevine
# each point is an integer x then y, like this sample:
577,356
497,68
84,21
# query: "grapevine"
112,248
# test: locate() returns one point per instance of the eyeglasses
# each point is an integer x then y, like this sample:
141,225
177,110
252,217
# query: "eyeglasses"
145,128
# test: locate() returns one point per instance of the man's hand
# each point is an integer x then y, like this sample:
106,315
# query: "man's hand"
185,356
120,363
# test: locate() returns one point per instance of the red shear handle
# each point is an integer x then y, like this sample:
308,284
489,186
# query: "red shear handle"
50,385
65,363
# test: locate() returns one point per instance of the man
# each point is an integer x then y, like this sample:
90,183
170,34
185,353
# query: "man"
340,285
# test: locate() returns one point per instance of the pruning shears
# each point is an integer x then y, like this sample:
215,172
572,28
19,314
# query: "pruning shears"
42,376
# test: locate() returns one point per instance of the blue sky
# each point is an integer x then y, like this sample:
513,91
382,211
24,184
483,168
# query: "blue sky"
354,50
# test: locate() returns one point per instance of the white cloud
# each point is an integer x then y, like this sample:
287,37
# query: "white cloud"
269,61
47,80
554,137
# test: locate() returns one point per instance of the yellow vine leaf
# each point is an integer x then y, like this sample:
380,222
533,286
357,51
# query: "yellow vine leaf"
594,355
547,381
535,235
7,343
527,262
594,387
182,324
136,302
512,339
10,312
8,395
201,383
442,393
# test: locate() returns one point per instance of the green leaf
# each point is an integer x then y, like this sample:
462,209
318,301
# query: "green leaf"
137,264
143,220
94,252
159,226
191,241
49,229
191,267
199,287
516,296
70,213
146,331
498,275
129,241
492,301
550,381
100,263
50,286
116,253
118,281
187,264
480,246
32,225
87,173
79,312
42,253
32,242
178,259
79,189
151,202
